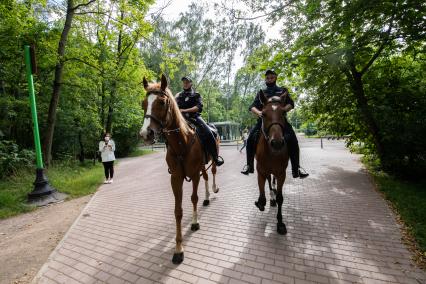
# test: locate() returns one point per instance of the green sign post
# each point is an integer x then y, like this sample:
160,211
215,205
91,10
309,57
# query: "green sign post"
41,184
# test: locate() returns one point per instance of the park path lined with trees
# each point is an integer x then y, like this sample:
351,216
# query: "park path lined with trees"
355,69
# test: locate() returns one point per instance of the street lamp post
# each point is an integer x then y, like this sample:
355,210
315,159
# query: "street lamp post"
42,187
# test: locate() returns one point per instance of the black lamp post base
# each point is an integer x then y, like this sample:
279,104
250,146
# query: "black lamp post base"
41,186
43,193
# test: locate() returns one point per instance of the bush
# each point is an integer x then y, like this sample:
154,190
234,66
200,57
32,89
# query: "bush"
126,140
12,159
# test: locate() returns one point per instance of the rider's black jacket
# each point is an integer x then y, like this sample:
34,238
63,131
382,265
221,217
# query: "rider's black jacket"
271,92
188,99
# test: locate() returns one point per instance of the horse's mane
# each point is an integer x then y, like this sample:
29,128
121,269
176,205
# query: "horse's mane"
174,109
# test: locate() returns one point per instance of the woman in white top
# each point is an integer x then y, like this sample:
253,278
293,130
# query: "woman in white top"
107,148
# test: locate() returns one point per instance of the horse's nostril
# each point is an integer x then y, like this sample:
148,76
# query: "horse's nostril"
277,144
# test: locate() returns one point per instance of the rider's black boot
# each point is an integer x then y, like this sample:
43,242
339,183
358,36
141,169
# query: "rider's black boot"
208,141
293,152
248,169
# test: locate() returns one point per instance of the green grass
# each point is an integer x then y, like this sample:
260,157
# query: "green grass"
408,198
140,152
72,178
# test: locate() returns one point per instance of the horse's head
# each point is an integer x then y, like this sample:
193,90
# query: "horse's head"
273,121
156,106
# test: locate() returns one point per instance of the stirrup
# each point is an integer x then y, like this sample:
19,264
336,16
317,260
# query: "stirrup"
219,161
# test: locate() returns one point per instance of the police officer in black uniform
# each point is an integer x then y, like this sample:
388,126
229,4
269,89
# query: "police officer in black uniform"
256,107
191,105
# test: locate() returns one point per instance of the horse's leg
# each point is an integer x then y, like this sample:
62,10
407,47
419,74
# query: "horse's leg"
194,198
177,183
281,229
214,169
261,202
206,183
272,191
215,188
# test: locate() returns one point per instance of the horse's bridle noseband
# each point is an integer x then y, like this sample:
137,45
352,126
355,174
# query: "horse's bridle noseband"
265,132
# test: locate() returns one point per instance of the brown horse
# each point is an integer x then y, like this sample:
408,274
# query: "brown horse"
185,156
272,153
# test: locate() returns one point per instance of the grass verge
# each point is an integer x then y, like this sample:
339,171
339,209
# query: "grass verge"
140,152
72,178
408,199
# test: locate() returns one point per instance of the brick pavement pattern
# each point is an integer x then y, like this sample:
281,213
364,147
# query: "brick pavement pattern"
340,230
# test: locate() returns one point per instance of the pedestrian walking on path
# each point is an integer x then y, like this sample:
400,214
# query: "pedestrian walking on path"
245,136
107,148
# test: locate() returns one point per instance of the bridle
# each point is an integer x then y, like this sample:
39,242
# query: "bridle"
163,127
265,132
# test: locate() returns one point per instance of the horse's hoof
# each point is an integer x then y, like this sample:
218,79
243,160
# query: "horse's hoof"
216,190
206,202
177,258
281,229
273,203
260,203
195,227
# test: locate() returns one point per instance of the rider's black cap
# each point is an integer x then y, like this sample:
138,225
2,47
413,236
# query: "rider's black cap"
270,71
186,78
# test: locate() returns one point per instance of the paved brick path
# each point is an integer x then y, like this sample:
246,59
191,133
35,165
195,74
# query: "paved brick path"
339,229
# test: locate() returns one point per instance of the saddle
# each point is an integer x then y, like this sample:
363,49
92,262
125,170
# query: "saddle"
212,128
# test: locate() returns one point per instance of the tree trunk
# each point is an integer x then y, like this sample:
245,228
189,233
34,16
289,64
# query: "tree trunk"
108,126
82,155
51,118
358,90
102,108
109,121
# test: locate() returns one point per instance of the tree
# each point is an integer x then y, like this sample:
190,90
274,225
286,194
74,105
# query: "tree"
57,82
334,49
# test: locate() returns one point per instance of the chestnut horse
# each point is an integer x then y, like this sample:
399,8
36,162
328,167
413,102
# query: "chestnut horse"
185,156
272,153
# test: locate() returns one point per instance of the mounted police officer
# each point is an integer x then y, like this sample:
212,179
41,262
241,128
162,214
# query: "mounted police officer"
191,105
256,107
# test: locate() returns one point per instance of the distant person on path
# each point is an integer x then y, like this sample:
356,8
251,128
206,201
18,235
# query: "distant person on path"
107,148
245,137
290,137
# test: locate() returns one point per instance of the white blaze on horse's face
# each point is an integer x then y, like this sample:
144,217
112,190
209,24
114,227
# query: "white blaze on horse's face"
147,121
274,107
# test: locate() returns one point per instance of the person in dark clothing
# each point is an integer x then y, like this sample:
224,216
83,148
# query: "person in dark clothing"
289,135
191,105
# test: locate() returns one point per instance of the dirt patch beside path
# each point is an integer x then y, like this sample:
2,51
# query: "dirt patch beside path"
27,240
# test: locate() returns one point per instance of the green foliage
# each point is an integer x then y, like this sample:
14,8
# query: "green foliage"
12,158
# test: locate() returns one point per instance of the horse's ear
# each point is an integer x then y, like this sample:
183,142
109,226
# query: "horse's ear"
262,97
163,82
145,83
